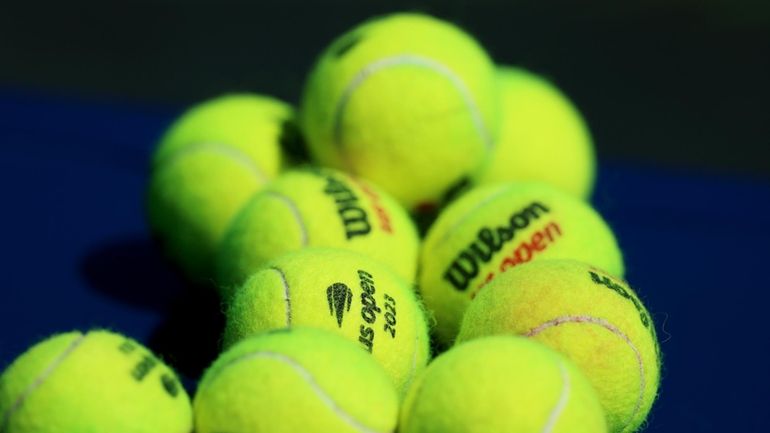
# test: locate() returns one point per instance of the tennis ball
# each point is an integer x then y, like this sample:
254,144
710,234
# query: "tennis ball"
542,137
248,125
93,382
207,166
317,207
407,101
502,384
592,317
298,380
497,227
339,291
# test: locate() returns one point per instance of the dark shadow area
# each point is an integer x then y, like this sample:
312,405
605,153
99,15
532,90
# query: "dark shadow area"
133,271
189,337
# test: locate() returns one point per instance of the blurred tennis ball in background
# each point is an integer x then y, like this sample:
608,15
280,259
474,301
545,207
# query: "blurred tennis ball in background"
297,380
542,137
98,381
250,123
209,162
342,292
592,317
493,228
405,100
502,384
320,208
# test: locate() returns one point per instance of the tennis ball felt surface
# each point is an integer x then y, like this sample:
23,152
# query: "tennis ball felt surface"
93,382
590,316
407,101
502,384
207,165
322,208
252,124
293,381
542,137
342,292
494,228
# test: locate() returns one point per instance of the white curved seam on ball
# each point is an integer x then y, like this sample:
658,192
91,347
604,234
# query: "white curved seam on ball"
297,367
412,60
470,212
39,380
557,410
286,294
295,212
612,328
229,151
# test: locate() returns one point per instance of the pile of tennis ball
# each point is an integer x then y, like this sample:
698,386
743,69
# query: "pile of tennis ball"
508,314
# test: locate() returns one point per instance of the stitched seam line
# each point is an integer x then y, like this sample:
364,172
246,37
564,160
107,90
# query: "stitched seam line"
295,212
286,294
451,229
235,154
557,410
39,380
411,60
612,328
297,367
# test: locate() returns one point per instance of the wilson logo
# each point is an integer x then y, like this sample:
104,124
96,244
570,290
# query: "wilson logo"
354,218
339,297
620,290
537,243
488,242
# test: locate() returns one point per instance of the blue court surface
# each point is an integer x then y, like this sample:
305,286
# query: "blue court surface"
76,253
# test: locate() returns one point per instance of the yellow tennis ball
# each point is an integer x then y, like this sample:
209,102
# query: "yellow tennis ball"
98,381
592,317
298,380
206,167
339,291
542,137
248,124
321,208
497,227
407,101
502,384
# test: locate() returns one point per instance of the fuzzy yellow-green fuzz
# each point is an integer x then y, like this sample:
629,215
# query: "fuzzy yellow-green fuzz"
405,100
542,137
295,380
502,384
590,316
93,382
342,292
317,208
248,122
207,165
494,228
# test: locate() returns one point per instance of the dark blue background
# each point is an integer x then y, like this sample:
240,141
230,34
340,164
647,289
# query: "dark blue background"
76,254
